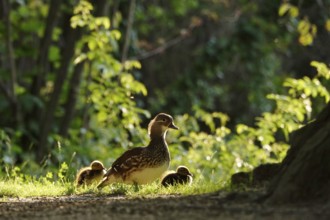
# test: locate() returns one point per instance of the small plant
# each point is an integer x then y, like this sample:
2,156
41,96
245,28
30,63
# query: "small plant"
62,172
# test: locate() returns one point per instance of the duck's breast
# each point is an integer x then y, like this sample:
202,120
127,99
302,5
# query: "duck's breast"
147,175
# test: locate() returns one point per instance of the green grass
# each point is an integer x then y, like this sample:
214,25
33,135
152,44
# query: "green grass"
155,189
12,188
37,188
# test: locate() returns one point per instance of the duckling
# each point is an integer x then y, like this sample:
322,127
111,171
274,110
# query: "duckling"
91,174
181,176
143,165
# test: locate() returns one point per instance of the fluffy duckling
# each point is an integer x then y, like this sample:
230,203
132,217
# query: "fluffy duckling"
181,176
143,165
91,174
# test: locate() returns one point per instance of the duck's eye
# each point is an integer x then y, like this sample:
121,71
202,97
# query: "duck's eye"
164,120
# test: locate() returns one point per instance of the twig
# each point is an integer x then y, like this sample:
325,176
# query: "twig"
128,30
184,33
160,49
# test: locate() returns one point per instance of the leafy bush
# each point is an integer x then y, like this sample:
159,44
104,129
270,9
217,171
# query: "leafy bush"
220,152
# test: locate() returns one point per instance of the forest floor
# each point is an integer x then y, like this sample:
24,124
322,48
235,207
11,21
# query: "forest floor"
218,205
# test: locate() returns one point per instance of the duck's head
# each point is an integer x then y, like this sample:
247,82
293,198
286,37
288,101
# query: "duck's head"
160,124
97,165
183,170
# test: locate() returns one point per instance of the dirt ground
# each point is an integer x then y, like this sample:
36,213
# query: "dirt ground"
219,205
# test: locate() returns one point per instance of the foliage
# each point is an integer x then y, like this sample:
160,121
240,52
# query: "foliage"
217,154
102,107
307,31
211,156
227,54
108,93
96,107
221,60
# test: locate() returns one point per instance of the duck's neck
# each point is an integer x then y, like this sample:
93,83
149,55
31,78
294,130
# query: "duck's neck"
158,140
158,147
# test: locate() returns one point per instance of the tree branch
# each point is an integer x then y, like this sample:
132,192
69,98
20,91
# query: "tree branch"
160,49
61,75
184,33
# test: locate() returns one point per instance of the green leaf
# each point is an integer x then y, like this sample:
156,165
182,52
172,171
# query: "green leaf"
75,22
80,58
54,53
294,11
327,25
116,34
283,9
132,64
322,69
103,21
92,44
101,116
304,26
240,128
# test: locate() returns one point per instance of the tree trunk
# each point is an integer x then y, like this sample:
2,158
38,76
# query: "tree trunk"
47,120
43,67
305,172
53,12
71,101
10,91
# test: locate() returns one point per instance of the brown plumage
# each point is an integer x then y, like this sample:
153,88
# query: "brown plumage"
143,165
91,174
181,176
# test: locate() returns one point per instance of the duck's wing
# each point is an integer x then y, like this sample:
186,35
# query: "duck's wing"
82,175
131,158
176,178
169,179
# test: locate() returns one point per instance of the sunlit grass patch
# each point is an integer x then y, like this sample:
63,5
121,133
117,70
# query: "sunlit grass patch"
33,188
156,189
30,187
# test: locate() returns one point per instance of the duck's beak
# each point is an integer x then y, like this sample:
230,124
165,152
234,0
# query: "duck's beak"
172,125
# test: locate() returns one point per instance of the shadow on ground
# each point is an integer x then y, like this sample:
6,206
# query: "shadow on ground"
219,205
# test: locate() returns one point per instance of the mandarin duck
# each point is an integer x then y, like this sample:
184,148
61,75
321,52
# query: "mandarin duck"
143,165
